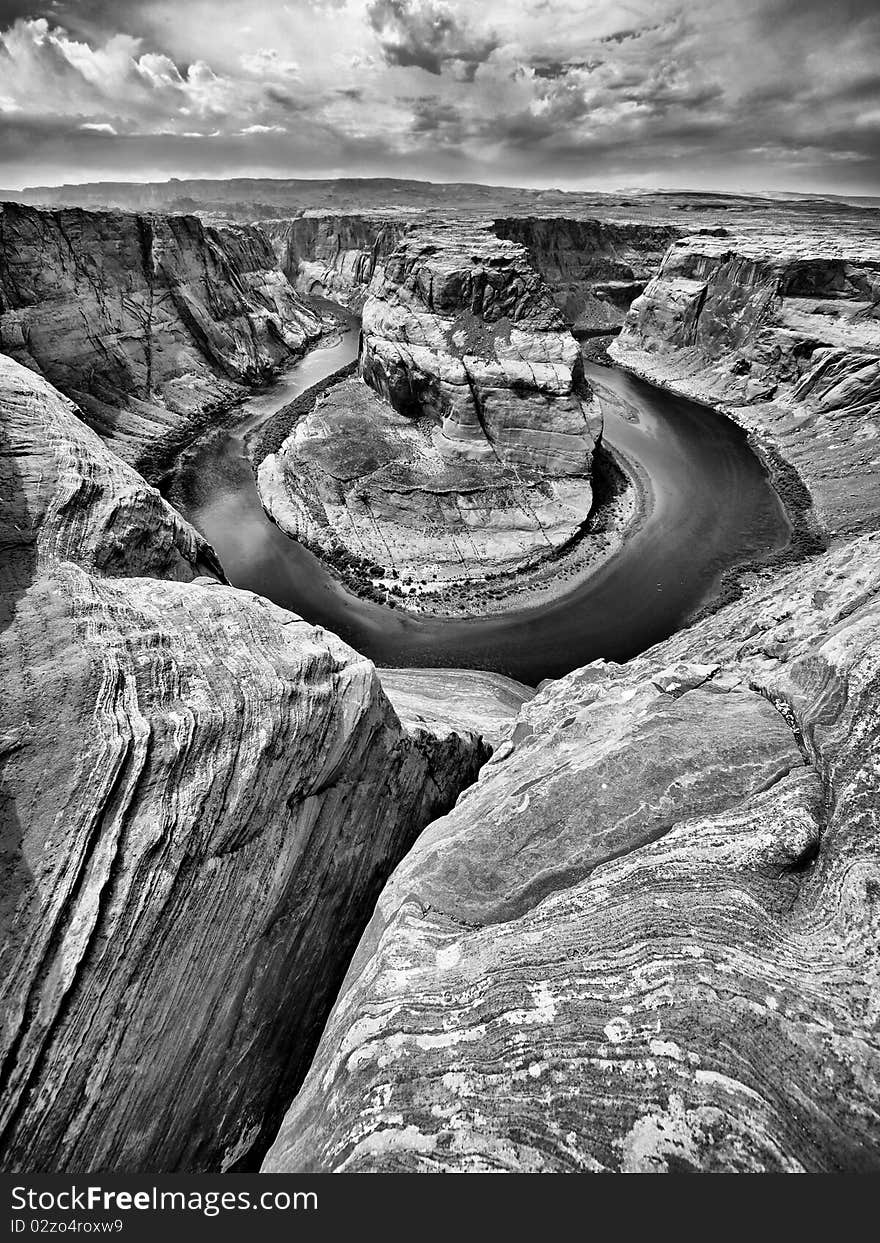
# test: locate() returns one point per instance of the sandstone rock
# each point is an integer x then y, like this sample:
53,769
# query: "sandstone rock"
646,939
151,323
466,699
333,256
595,268
201,796
478,459
736,322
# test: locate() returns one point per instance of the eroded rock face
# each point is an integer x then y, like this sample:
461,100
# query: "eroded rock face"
150,323
646,939
786,339
595,268
201,796
333,256
469,449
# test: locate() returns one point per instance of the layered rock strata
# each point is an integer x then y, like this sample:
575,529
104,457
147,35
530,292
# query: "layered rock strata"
152,324
333,256
646,940
595,268
469,450
201,797
785,338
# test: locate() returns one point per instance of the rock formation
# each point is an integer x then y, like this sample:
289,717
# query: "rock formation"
201,796
646,939
784,336
152,324
333,256
595,268
478,457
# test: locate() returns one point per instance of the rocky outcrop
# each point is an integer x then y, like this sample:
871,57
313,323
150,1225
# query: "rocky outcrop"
470,451
485,703
646,940
201,796
784,337
333,256
595,268
152,324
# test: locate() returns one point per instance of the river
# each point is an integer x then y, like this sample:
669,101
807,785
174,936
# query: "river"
710,506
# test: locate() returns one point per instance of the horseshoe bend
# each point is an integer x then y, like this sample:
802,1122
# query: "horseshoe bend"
440,687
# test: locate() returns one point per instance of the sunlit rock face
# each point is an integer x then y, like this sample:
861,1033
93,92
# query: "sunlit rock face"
646,939
152,324
469,448
201,796
784,334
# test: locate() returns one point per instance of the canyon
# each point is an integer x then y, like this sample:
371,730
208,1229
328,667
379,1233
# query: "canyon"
267,903
466,445
645,940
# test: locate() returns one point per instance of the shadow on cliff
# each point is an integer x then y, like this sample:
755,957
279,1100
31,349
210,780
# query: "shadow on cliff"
18,561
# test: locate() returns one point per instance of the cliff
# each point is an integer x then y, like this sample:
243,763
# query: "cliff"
783,335
333,256
469,450
152,324
202,796
595,268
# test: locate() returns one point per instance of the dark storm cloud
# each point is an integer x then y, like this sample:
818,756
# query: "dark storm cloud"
426,35
559,68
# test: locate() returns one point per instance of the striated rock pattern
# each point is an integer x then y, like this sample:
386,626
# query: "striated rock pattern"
595,268
646,940
475,456
200,797
785,337
486,703
333,256
151,324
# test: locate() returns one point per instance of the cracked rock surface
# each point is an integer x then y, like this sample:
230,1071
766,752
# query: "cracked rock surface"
200,798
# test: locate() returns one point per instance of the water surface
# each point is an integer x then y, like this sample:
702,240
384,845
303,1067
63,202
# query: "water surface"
710,506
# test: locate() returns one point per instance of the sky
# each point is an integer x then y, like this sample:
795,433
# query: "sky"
737,95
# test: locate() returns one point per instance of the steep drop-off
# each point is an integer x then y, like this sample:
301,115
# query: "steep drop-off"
152,324
333,256
201,796
595,268
784,336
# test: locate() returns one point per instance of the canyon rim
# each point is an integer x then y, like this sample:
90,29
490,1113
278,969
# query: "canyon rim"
439,589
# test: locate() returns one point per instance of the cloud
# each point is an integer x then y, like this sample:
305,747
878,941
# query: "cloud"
428,35
779,93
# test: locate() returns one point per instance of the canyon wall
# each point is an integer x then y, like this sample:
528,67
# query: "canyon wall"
469,448
152,324
784,336
595,268
201,796
333,256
